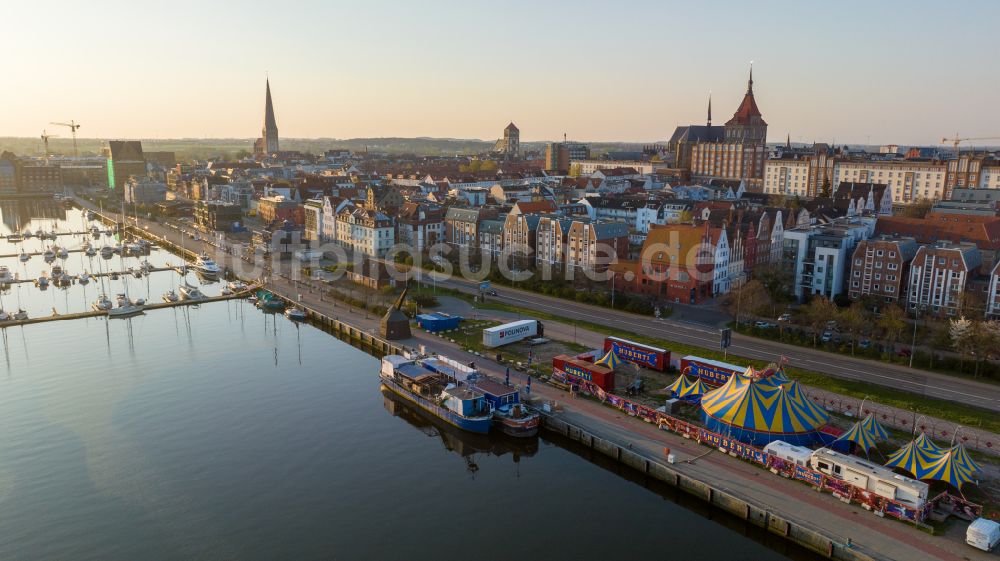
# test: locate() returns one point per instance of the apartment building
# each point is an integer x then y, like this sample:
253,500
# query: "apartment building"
880,268
939,277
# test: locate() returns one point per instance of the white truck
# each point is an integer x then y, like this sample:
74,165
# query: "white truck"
509,332
983,534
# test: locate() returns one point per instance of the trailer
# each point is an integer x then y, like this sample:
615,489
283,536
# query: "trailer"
509,332
574,370
871,477
712,372
438,321
637,353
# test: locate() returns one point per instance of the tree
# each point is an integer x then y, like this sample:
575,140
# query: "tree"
962,337
984,340
892,322
818,312
918,208
574,170
852,320
778,281
750,299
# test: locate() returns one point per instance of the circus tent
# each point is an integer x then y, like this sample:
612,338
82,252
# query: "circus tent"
914,459
927,444
874,428
859,436
759,411
610,360
927,461
684,389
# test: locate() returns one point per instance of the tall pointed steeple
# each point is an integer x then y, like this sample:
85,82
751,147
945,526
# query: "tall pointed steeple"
750,81
269,134
788,142
709,108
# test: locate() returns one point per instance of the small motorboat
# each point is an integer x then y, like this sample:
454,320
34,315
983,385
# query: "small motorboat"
125,310
20,315
103,303
170,296
296,314
4,316
61,253
49,256
107,251
225,291
5,275
24,257
42,282
190,292
237,286
84,278
90,251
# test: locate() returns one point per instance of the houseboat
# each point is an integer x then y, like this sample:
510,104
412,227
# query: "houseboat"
452,401
509,414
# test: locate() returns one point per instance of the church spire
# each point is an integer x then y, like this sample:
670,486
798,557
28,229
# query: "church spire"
750,81
269,121
709,108
788,141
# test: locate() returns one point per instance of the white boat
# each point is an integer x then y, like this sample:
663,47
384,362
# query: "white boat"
296,314
20,315
225,291
56,271
49,255
4,316
84,278
125,310
190,292
170,296
27,234
107,251
5,275
90,251
24,257
237,286
42,282
206,266
103,303
40,234
61,253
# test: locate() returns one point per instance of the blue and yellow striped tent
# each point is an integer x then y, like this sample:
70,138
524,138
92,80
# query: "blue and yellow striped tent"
761,411
914,459
610,360
924,442
961,455
874,428
683,388
949,470
859,436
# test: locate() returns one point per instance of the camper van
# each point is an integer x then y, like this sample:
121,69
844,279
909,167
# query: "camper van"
983,534
872,477
791,453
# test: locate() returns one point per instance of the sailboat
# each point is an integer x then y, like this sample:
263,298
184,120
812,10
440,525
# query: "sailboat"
126,307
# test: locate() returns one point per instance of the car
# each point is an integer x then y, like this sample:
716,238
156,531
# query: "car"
865,344
837,339
826,337
785,317
903,352
763,325
492,293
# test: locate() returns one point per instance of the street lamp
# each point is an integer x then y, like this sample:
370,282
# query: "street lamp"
913,342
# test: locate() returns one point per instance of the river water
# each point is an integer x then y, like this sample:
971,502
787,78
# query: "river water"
220,432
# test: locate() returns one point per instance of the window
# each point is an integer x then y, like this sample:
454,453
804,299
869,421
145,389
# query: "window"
879,253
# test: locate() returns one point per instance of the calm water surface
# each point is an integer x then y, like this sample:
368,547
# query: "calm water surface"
219,432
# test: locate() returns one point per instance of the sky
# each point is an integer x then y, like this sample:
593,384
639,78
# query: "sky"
846,72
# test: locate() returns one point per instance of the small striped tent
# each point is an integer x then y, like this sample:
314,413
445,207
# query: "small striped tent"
859,436
874,428
949,470
684,389
914,459
759,411
610,360
964,460
925,443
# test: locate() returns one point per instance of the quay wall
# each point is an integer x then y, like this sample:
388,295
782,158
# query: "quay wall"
741,507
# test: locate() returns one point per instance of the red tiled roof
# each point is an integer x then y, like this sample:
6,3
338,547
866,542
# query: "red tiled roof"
536,206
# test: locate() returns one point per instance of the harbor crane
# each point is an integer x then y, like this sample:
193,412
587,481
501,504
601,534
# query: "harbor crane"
73,125
45,139
957,140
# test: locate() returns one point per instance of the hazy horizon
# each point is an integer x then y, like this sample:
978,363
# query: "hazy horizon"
855,73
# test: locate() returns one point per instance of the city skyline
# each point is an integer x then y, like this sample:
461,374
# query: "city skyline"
407,71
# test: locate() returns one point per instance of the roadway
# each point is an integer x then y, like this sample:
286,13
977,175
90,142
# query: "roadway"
931,384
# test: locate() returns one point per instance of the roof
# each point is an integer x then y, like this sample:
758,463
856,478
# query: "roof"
763,406
528,207
462,214
608,230
747,113
491,227
951,227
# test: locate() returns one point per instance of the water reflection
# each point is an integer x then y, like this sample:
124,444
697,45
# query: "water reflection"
465,444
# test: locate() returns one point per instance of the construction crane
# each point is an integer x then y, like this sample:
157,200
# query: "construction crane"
956,141
45,139
73,125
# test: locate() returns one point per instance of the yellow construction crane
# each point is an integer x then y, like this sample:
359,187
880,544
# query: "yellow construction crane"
45,139
73,125
955,141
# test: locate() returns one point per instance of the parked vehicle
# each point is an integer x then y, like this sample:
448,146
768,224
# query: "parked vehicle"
826,337
763,325
785,317
983,534
865,344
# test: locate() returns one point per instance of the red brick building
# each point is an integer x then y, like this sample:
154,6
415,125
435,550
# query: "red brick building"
880,267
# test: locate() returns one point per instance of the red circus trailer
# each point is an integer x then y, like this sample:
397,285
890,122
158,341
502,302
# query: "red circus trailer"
712,372
566,368
643,355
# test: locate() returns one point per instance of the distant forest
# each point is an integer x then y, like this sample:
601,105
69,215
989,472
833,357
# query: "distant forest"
229,148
